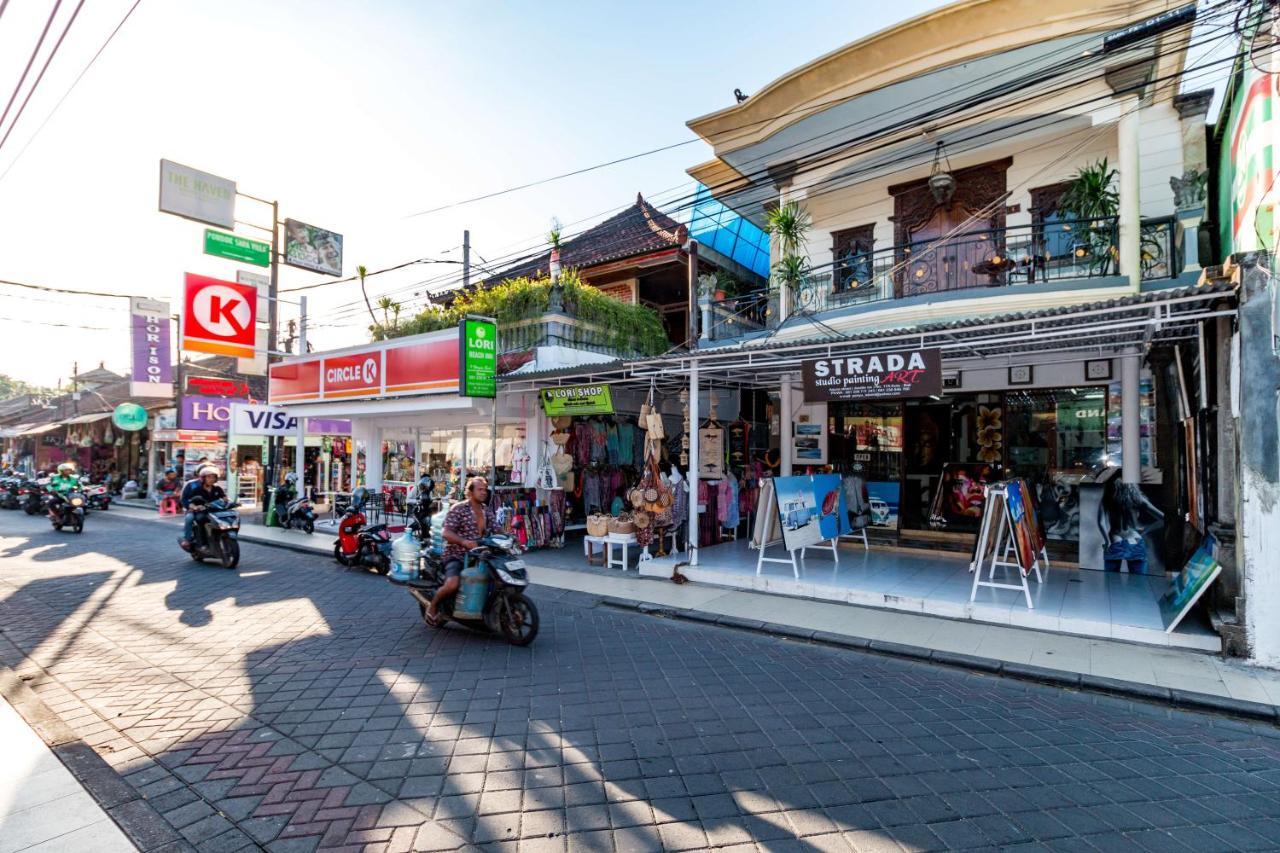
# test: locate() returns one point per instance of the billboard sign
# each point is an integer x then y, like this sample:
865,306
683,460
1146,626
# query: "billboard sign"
478,357
233,247
261,419
219,317
421,364
205,413
197,195
310,248
896,375
152,373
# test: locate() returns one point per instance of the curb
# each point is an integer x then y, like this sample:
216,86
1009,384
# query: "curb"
1147,693
136,817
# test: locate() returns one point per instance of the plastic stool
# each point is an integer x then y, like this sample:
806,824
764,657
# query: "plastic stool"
169,505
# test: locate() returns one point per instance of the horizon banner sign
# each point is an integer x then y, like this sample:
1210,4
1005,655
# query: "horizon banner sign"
478,357
206,413
895,375
193,194
218,317
420,364
262,419
152,367
233,247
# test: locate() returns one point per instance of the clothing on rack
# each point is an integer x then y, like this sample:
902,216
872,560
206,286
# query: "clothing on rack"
857,502
627,444
599,449
727,501
612,451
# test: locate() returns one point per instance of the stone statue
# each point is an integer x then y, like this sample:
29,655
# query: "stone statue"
1189,190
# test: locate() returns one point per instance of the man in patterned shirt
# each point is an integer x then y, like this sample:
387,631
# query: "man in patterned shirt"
464,526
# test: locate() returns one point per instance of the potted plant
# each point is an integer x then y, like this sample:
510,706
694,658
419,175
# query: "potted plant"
789,224
1091,198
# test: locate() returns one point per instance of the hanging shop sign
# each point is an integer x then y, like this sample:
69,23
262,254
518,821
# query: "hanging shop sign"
129,417
205,413
893,375
578,400
212,386
421,364
233,247
219,317
478,355
310,248
197,195
152,374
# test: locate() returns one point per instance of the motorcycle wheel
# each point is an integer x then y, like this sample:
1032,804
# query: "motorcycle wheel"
518,620
382,566
339,556
77,526
230,550
199,558
29,511
308,527
57,525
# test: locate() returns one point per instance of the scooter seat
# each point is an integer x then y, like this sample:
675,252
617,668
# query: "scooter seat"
376,528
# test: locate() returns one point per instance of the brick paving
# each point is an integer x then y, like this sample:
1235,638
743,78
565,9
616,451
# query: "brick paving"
293,705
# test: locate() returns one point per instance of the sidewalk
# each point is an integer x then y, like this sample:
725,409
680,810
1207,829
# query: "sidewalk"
1163,674
42,806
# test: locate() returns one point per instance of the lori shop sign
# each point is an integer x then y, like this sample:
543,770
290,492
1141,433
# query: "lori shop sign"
892,375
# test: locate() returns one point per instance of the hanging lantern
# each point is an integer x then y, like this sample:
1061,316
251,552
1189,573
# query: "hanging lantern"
942,184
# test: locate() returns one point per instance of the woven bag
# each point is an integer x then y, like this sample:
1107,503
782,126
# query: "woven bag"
598,525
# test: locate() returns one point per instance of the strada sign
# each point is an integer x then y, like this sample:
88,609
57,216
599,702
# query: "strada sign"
219,316
421,364
893,375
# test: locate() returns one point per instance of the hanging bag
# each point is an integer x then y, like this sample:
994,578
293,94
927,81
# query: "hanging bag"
546,478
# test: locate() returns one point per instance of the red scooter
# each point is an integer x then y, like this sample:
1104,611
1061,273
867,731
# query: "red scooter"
357,545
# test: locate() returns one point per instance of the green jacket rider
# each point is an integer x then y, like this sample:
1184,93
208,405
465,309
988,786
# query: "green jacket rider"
66,479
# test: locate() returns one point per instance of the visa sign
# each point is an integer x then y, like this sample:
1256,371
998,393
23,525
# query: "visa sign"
257,419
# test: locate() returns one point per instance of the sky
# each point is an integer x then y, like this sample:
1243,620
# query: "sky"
355,116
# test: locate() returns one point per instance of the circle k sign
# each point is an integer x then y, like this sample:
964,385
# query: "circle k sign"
219,316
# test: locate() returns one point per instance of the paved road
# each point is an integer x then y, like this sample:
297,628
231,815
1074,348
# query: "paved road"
294,706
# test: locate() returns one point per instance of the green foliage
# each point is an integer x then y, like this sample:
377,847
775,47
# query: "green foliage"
553,236
1091,193
789,224
10,387
623,327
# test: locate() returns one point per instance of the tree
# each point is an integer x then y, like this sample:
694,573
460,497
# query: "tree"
789,224
361,271
10,387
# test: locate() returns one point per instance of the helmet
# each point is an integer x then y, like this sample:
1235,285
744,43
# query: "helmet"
66,466
359,497
170,471
291,477
206,470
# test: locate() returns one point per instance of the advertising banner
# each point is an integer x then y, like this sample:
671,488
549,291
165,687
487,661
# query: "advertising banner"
206,413
218,317
197,195
261,419
478,356
152,374
420,364
310,248
894,375
811,509
578,400
233,247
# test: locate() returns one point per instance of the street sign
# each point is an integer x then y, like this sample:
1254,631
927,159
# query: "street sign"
578,400
197,195
478,357
219,317
233,247
129,417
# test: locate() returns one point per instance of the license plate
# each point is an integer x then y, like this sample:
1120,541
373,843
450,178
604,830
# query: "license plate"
515,564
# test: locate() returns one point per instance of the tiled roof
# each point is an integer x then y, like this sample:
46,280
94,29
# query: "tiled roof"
638,230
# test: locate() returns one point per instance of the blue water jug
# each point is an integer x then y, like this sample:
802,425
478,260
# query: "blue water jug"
473,592
404,557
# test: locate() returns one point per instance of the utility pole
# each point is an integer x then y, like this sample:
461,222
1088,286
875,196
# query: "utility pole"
299,460
466,259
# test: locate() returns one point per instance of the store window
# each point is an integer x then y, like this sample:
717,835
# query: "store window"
867,440
397,459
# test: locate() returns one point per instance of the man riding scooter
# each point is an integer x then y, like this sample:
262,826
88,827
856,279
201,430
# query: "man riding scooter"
464,526
204,487
63,482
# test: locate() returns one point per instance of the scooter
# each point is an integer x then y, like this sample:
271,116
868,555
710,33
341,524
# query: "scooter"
32,492
10,493
98,497
357,545
294,512
491,597
215,533
67,511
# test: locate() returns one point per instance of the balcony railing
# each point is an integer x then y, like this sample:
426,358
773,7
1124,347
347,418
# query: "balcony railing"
1005,257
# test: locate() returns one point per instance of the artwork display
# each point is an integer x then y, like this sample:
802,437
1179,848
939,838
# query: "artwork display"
811,509
958,500
711,452
874,433
886,499
1188,585
809,435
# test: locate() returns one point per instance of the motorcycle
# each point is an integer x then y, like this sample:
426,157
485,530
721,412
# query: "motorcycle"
11,493
294,512
215,532
67,510
357,545
491,596
32,494
97,497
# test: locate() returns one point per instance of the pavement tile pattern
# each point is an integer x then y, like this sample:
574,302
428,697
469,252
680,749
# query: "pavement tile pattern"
296,706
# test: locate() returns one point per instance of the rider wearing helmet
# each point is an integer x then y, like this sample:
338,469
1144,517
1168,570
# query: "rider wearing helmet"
203,489
65,480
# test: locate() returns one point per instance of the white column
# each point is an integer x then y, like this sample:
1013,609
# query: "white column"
1130,418
785,443
366,430
694,420
1130,203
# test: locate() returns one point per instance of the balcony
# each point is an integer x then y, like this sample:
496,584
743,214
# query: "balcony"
976,260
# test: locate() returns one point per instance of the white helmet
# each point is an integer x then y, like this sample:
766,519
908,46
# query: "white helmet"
207,470
291,477
67,466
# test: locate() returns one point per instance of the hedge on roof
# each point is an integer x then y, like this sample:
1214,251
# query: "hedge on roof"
625,328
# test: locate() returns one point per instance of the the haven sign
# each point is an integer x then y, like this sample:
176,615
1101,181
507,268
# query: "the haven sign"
894,375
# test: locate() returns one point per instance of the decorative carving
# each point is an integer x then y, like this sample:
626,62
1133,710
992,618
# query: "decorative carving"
1044,200
851,248
1190,190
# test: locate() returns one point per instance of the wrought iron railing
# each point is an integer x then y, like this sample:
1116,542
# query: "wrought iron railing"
1005,257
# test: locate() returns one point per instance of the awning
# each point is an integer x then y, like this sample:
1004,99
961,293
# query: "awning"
41,430
87,419
14,431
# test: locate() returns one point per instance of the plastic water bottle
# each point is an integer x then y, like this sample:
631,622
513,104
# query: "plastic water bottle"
404,557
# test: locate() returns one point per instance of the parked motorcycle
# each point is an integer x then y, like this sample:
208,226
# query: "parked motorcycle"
294,511
357,545
11,493
491,596
98,497
215,532
32,493
67,510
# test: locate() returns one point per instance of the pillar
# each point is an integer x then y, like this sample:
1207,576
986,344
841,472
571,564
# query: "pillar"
365,440
786,446
299,456
695,418
1130,418
1130,203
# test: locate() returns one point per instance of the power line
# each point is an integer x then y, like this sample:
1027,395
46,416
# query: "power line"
67,93
68,290
30,61
47,62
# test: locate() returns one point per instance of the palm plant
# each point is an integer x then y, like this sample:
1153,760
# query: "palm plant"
1092,199
389,308
361,272
790,223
